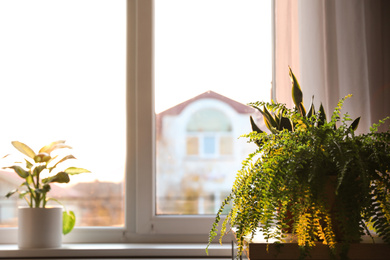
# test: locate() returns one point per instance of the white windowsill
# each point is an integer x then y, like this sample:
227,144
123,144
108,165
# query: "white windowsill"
118,250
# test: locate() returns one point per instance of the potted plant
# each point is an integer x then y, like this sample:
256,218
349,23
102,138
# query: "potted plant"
39,218
314,179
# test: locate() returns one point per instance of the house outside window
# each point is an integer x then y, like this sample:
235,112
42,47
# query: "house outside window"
196,152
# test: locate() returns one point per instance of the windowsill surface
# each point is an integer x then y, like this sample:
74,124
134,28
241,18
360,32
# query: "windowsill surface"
357,251
117,250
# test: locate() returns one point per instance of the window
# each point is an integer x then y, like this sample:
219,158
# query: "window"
202,76
142,222
226,145
63,77
192,145
209,145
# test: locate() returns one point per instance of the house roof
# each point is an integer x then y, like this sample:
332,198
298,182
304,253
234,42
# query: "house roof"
176,110
239,107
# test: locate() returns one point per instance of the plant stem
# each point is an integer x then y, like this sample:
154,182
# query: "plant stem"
44,200
32,198
38,195
28,202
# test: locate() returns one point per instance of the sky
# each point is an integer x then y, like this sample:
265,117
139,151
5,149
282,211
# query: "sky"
62,77
219,45
62,69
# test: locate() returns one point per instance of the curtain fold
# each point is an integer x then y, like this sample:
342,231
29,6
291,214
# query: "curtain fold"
286,31
343,48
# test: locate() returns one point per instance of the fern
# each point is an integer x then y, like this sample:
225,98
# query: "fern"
318,180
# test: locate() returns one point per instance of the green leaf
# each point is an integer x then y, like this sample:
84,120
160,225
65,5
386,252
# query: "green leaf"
23,193
277,121
322,116
256,129
45,189
62,160
29,180
12,192
269,121
297,95
20,171
68,221
42,157
267,115
312,110
254,126
53,146
285,123
355,124
302,109
52,159
29,165
23,148
38,169
61,177
74,170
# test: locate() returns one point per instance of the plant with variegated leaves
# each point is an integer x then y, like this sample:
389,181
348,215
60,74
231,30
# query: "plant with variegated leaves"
34,189
275,117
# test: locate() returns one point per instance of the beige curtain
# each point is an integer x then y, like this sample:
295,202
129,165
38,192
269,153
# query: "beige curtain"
286,48
339,48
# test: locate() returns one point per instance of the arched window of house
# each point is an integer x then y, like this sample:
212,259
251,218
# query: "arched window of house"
209,133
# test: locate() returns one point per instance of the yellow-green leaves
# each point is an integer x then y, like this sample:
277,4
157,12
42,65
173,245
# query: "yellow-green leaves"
74,170
277,117
23,148
296,91
68,221
62,160
42,157
38,169
61,177
269,120
274,119
20,171
53,146
284,179
34,189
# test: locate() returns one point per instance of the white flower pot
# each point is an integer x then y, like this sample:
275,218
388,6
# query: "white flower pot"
39,227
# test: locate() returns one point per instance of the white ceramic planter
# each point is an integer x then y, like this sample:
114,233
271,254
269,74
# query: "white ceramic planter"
39,227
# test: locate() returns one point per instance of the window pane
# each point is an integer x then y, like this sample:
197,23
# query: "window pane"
211,58
209,145
62,66
192,146
226,145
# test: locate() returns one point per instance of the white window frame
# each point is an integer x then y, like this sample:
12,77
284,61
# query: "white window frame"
141,222
183,228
